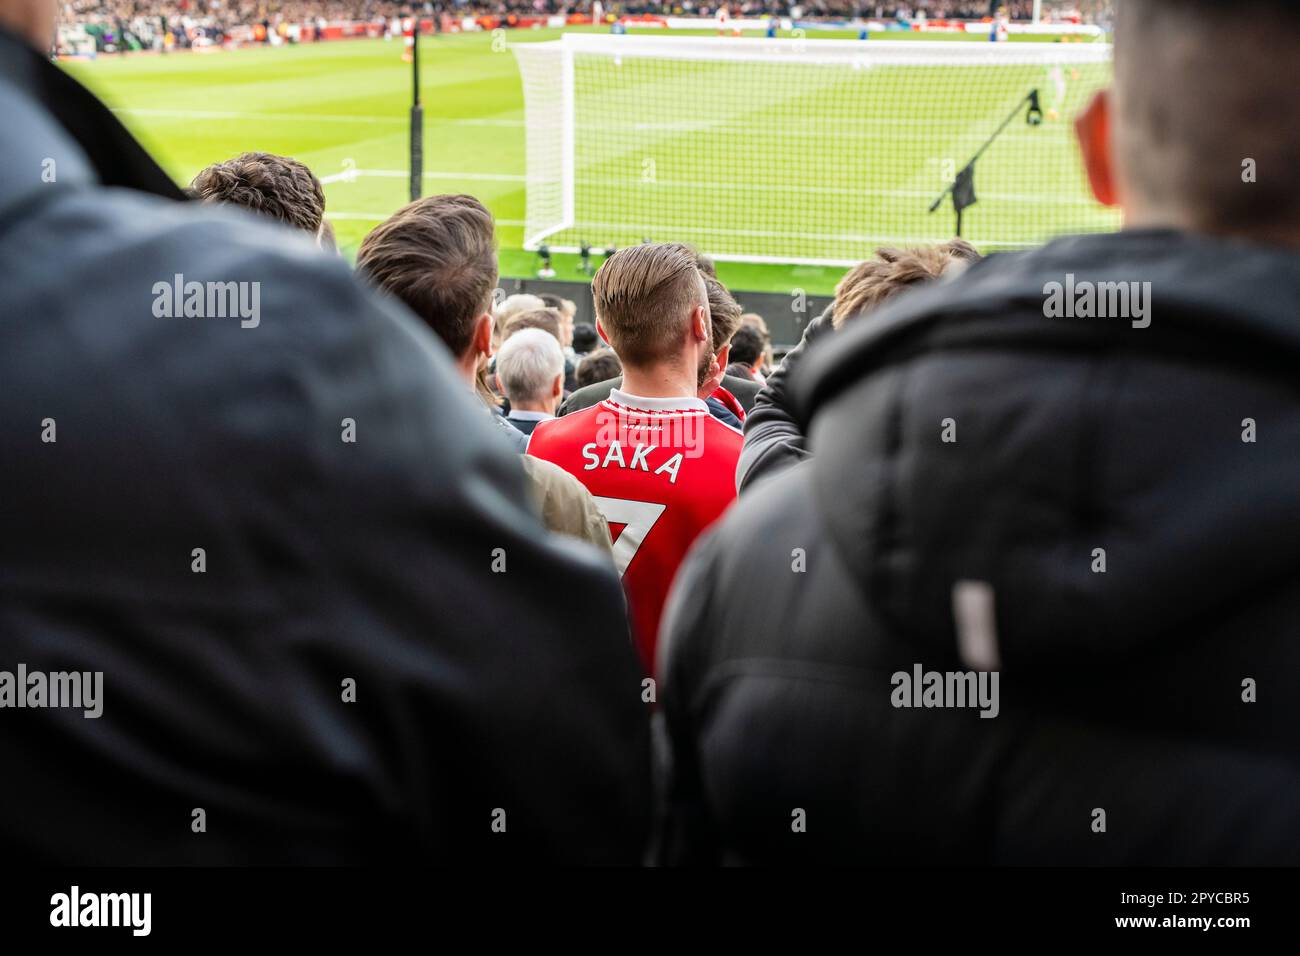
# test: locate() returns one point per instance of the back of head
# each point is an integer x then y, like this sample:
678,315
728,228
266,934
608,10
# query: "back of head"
870,283
528,364
758,322
644,297
274,186
566,307
1200,89
724,312
747,346
512,305
599,366
585,339
438,255
547,320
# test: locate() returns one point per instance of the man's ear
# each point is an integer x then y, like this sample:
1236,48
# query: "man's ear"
480,340
600,330
557,387
500,388
1093,130
724,353
700,323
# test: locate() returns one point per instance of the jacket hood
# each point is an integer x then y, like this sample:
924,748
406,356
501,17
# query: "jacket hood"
962,433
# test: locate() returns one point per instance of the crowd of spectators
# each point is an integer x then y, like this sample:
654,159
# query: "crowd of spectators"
371,574
179,24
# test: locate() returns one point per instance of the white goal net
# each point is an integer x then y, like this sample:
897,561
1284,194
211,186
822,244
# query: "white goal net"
813,151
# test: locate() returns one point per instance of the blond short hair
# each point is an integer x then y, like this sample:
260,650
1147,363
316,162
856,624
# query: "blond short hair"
644,297
868,284
438,255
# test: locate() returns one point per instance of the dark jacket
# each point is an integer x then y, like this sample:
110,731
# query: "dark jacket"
525,426
722,413
773,437
326,567
590,395
1120,690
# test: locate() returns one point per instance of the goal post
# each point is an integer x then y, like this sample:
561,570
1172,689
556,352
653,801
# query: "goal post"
801,151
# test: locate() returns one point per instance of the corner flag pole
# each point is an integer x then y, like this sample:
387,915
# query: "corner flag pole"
962,188
417,112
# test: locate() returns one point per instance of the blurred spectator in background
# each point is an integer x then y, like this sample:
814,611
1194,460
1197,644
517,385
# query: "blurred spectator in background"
585,339
747,351
530,368
599,366
547,320
567,309
752,320
514,304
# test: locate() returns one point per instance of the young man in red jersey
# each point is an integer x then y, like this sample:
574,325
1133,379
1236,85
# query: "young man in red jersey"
660,466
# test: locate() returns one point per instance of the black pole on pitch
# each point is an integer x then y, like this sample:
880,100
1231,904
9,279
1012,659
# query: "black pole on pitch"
962,188
417,112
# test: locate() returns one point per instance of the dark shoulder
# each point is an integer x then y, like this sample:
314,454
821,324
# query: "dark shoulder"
745,389
589,395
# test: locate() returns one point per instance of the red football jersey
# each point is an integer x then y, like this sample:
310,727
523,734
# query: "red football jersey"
661,470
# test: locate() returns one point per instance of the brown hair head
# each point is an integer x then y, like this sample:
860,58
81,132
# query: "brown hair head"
724,312
438,255
270,185
598,366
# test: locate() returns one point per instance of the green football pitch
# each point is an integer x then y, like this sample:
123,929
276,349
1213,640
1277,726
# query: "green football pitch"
342,108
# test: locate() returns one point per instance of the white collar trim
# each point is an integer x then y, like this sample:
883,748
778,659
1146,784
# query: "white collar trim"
639,403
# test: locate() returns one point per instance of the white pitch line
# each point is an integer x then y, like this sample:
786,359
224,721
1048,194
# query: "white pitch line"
380,217
313,117
349,175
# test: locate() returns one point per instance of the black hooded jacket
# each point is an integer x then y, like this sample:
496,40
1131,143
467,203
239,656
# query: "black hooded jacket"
1160,691
339,651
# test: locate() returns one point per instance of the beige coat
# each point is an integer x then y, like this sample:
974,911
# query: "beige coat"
565,503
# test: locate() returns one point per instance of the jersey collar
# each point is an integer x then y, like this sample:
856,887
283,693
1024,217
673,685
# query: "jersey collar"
619,398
